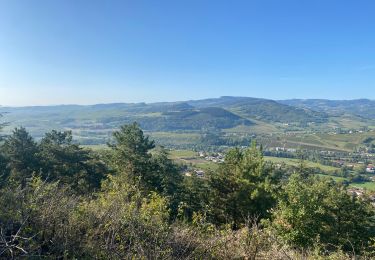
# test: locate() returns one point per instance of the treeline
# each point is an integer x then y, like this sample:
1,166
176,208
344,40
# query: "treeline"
130,201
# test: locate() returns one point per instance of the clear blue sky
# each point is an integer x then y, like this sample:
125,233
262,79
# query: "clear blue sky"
77,51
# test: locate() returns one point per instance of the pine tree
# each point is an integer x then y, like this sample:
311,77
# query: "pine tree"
131,155
21,152
69,163
243,187
313,209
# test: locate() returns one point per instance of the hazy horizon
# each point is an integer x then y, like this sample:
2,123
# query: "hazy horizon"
172,101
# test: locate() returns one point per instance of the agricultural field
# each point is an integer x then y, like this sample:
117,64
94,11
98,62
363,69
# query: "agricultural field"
295,162
191,157
370,185
320,141
174,139
366,185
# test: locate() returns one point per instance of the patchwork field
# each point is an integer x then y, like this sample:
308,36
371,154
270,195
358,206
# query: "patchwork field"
192,159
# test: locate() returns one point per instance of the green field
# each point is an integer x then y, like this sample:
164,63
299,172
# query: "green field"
191,158
178,154
318,141
370,186
96,147
335,178
295,162
173,139
367,185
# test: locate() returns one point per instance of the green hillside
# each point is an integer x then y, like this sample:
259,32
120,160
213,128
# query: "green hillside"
359,107
220,113
263,109
232,119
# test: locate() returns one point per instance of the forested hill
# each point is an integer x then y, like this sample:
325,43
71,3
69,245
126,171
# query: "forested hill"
218,113
263,109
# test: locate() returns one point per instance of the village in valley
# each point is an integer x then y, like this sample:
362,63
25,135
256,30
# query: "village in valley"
356,169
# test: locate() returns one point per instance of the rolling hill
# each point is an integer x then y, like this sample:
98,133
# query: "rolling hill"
263,109
180,119
221,113
236,115
364,108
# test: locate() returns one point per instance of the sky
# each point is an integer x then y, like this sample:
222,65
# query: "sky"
90,51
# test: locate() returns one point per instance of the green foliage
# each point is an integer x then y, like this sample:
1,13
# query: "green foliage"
243,187
314,210
56,203
131,154
133,159
2,125
20,152
195,198
65,161
123,224
56,157
169,179
4,171
34,220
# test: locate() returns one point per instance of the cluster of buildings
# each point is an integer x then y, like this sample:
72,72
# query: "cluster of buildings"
350,131
283,149
216,157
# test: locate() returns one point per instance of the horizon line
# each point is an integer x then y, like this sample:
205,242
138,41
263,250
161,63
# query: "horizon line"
176,101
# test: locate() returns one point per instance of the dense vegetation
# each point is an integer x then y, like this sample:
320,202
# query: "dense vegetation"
131,201
272,111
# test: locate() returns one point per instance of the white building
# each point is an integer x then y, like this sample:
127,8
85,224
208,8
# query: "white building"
370,169
199,173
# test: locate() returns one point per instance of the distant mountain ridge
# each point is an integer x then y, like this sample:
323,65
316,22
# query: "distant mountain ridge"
215,113
359,107
247,107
